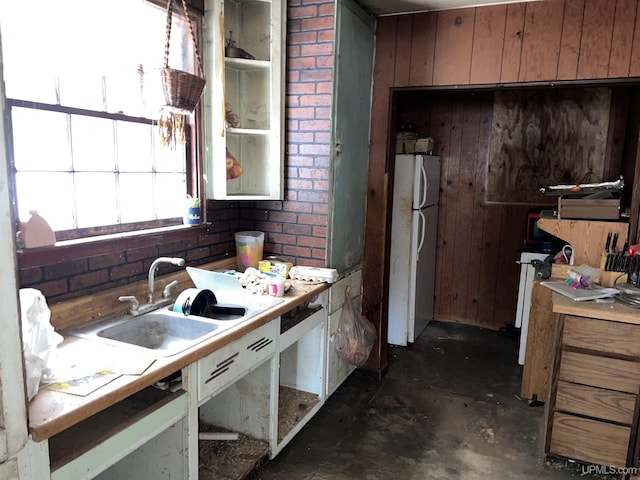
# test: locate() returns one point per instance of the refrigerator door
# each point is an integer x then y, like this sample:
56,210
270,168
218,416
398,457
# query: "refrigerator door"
400,311
427,181
424,274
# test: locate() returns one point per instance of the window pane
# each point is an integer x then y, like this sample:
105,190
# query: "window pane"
96,199
92,140
81,89
40,140
136,197
171,194
134,147
168,160
50,194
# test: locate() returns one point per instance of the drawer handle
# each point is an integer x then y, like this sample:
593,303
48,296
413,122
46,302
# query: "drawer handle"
260,344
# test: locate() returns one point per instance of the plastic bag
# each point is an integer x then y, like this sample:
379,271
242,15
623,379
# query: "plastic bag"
39,338
355,335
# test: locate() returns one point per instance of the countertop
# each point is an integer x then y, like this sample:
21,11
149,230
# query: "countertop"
606,311
51,412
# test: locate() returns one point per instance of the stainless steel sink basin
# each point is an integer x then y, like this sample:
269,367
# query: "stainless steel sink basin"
162,332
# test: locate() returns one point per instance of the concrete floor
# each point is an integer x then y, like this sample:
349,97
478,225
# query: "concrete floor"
448,408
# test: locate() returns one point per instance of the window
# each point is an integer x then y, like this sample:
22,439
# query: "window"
84,95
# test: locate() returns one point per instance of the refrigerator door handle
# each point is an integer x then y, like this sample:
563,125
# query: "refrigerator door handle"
425,186
423,223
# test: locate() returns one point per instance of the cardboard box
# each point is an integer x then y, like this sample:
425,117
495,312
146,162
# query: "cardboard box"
589,209
275,266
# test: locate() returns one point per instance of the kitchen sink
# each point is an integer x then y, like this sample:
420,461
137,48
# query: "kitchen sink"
162,332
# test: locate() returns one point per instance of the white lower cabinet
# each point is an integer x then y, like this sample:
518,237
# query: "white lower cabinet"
265,386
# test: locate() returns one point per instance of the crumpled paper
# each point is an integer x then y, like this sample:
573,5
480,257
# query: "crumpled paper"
254,281
39,338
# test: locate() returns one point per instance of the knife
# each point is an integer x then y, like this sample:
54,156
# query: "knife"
606,245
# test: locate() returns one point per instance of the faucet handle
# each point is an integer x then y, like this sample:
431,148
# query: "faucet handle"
166,293
132,300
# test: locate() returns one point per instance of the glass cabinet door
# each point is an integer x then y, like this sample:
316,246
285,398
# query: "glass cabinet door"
244,102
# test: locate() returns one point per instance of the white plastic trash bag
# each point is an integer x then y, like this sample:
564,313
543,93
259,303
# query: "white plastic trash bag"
39,338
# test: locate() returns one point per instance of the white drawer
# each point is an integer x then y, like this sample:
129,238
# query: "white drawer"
226,365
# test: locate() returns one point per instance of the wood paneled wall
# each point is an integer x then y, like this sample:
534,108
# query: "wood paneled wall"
545,41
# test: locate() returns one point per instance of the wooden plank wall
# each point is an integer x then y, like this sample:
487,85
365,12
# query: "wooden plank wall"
542,41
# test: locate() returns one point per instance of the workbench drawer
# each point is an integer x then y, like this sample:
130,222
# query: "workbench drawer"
226,365
589,440
601,335
602,372
596,402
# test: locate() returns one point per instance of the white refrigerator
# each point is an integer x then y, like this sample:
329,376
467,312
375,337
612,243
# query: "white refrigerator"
414,223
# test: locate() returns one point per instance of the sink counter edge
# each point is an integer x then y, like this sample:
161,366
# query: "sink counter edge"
51,412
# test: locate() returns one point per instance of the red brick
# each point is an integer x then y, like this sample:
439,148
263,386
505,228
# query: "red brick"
65,269
283,217
297,229
323,112
324,87
315,125
270,228
297,207
322,137
291,195
316,49
325,61
319,253
301,161
302,113
140,253
312,242
318,23
327,9
314,173
314,149
319,231
312,219
301,137
316,100
283,238
300,184
126,271
294,25
312,196
310,11
295,38
198,253
102,261
321,185
30,275
296,251
52,289
302,62
270,205
318,74
300,88
91,279
293,76
327,35
321,162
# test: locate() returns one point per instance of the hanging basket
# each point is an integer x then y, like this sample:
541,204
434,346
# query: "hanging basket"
182,90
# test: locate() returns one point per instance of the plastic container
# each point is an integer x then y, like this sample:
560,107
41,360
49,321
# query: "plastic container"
249,247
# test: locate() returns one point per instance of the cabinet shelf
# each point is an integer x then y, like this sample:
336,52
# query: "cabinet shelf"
246,64
110,435
295,408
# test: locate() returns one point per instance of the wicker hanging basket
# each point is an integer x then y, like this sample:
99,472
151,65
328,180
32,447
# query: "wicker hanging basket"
182,90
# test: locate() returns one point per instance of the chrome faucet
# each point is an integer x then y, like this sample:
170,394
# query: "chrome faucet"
152,271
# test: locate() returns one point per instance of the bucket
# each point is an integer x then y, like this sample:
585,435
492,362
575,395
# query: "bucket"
249,246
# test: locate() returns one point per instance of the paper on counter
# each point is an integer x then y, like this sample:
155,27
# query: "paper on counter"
580,294
85,385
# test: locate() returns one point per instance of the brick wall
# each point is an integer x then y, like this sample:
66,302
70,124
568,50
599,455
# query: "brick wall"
295,228
76,269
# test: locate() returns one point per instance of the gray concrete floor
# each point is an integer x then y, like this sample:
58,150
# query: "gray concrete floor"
447,408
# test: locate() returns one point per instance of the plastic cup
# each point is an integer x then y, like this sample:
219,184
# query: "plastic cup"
249,247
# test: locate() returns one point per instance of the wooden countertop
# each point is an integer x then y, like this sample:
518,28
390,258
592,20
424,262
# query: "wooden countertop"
51,412
607,311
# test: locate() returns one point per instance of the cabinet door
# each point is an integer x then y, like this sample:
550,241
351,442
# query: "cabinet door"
244,102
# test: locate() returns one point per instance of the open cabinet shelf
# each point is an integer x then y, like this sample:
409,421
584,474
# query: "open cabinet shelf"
246,39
